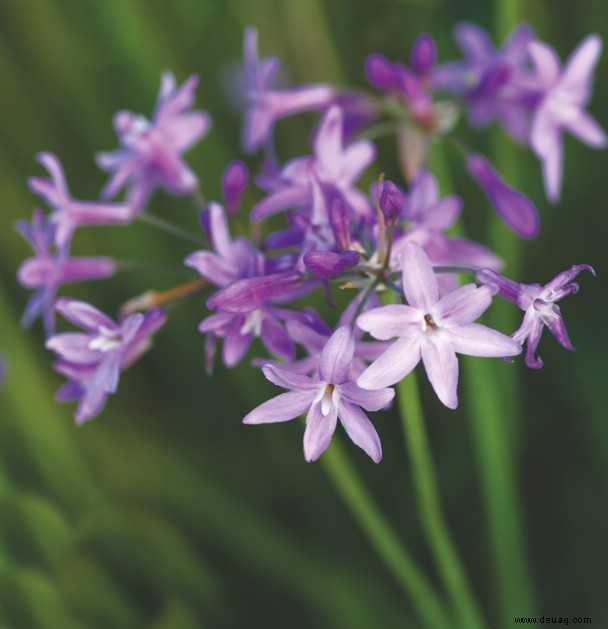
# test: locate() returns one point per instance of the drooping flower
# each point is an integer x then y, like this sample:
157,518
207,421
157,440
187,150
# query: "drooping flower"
266,105
539,304
150,155
51,267
493,82
514,208
431,328
92,360
326,398
565,94
68,214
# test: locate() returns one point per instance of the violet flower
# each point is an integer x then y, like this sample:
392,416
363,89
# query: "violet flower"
150,155
565,94
334,169
92,360
514,208
234,182
492,82
51,267
249,292
68,213
539,304
325,399
428,216
266,105
431,328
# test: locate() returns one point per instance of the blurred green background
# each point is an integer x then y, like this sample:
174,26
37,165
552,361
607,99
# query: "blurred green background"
165,512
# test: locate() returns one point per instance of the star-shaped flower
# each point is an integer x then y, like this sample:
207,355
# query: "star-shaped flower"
150,152
325,399
92,360
562,107
431,328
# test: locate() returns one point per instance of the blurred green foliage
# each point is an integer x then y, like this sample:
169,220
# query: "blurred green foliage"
166,512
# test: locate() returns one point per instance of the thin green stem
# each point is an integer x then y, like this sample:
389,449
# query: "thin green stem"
433,520
159,223
490,415
390,549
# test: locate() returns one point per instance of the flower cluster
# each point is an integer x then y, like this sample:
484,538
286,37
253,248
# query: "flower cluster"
389,245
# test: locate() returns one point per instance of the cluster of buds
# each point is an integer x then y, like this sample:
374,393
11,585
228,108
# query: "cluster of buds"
388,246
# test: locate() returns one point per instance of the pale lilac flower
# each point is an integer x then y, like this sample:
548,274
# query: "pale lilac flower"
565,94
428,216
68,213
539,304
331,174
266,105
51,267
514,208
325,399
312,334
493,82
431,328
92,360
150,155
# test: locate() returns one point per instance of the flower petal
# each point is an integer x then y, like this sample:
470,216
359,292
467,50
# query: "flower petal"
360,430
281,408
441,366
319,431
478,340
387,322
369,400
392,365
419,282
337,355
462,306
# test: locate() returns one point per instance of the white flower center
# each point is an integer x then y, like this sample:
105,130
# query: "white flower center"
253,322
428,324
106,340
329,395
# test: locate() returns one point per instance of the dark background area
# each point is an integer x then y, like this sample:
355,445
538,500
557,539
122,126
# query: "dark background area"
167,512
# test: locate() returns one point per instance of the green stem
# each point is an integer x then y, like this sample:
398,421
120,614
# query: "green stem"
433,520
490,416
344,476
170,228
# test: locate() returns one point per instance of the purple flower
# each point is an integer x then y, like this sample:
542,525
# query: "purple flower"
424,55
92,360
248,293
234,182
68,213
51,267
431,328
565,94
514,208
493,82
429,216
315,183
150,152
325,399
265,105
539,304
